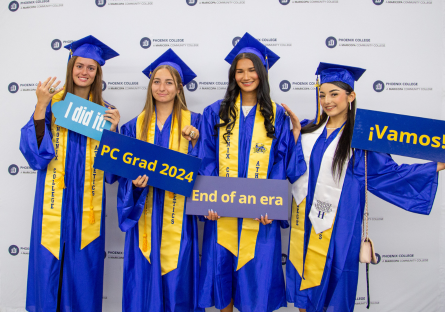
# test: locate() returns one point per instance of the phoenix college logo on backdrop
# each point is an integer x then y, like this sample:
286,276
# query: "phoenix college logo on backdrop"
13,169
192,86
191,2
145,43
331,42
104,85
13,6
13,87
56,44
284,85
235,41
378,2
101,3
284,2
13,250
378,86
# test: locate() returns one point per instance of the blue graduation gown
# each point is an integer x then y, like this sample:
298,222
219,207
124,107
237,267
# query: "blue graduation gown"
82,283
144,288
259,285
410,187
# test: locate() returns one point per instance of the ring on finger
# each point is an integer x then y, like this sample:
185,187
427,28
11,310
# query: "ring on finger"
52,90
192,134
286,113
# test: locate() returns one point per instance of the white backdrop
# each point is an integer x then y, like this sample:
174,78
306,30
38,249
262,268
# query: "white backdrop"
400,43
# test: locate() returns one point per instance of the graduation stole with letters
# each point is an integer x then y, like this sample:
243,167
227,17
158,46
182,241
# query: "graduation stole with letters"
258,166
322,214
54,190
173,203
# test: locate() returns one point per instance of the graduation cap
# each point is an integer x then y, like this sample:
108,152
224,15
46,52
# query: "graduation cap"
248,44
170,58
92,48
334,72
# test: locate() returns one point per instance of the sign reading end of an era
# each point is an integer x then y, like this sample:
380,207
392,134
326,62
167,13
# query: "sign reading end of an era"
399,134
81,116
240,197
129,158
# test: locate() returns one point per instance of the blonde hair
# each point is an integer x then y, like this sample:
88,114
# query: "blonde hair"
178,105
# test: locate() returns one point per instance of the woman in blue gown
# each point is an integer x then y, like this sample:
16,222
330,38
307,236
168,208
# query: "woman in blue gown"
231,130
329,199
66,258
161,258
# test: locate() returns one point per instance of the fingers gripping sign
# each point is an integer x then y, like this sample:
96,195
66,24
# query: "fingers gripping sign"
113,116
141,181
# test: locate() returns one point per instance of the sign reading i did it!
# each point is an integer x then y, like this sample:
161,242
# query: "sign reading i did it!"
81,116
129,158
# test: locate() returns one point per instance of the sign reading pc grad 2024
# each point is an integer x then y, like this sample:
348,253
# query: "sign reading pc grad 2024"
129,158
399,134
81,116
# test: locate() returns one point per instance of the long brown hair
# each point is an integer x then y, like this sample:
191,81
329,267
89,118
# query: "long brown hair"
178,105
343,150
96,86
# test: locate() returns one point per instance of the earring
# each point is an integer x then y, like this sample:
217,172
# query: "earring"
350,106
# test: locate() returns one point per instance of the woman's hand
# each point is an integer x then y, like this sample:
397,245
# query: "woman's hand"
141,181
44,96
264,220
213,215
191,133
296,126
440,166
113,116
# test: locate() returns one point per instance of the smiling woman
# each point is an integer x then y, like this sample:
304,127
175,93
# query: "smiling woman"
161,242
245,135
329,199
66,260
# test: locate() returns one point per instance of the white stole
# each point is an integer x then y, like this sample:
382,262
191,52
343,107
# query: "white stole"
328,188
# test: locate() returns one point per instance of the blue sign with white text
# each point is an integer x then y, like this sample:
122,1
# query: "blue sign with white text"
81,116
129,158
399,134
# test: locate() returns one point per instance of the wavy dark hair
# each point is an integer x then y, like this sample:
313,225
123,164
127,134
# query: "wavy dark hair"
343,150
227,111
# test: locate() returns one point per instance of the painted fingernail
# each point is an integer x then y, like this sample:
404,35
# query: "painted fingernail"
219,217
262,216
211,210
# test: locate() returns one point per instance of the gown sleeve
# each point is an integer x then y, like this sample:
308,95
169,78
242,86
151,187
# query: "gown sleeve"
37,156
410,187
286,150
208,145
130,199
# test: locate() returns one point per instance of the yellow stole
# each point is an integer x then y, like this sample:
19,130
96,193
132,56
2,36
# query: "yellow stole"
227,227
173,203
54,189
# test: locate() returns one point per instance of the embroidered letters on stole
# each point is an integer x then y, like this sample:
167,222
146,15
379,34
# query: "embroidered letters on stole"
227,228
322,215
173,203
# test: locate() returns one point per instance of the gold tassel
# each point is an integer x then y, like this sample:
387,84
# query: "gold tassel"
144,243
92,219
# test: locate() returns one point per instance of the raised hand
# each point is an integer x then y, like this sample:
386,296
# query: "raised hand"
45,92
296,126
